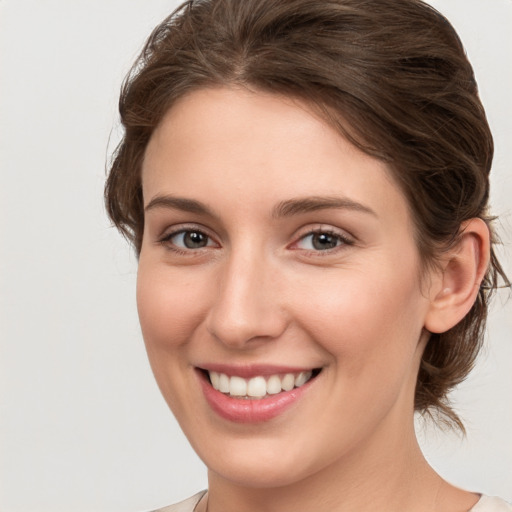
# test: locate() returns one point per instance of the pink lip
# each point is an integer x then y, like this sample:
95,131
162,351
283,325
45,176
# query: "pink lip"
239,410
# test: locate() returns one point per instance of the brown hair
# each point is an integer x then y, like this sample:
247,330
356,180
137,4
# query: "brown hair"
390,75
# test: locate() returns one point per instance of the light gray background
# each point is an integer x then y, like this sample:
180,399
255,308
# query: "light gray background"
82,424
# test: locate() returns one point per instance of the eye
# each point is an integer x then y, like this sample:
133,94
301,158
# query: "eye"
188,239
322,241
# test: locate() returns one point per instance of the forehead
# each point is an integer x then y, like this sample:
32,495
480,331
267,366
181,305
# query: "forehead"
216,142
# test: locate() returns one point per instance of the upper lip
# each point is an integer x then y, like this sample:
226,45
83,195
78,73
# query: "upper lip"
253,370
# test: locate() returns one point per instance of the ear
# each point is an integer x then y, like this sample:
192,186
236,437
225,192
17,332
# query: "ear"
463,269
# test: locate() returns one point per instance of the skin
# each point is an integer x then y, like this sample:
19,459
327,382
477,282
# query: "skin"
261,292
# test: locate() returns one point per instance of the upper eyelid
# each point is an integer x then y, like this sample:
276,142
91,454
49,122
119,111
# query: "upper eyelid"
323,228
165,240
170,231
346,243
345,240
299,234
172,234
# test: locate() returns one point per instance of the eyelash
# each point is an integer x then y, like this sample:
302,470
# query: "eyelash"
343,240
168,244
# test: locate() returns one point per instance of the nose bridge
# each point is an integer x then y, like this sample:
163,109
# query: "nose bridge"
246,306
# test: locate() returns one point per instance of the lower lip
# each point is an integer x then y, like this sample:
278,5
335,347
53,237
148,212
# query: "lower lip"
239,410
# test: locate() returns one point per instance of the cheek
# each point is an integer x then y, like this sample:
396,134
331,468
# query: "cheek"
366,319
168,310
169,306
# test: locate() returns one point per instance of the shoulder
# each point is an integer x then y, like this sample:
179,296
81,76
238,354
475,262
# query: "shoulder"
491,504
187,505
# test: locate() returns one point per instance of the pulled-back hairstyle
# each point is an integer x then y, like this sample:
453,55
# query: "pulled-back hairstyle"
390,75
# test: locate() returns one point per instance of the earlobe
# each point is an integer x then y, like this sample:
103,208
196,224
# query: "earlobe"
463,270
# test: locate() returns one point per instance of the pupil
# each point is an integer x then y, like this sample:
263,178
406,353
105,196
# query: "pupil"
323,241
195,240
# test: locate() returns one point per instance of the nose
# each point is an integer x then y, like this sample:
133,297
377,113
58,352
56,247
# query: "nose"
247,309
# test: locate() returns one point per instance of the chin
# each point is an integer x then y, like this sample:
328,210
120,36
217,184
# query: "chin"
264,463
260,474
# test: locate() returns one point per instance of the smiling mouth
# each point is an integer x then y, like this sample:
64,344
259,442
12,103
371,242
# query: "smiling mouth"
258,387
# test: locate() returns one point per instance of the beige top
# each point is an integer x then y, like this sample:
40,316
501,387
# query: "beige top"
187,505
485,504
491,504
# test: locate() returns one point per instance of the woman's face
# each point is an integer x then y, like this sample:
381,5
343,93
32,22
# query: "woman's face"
274,253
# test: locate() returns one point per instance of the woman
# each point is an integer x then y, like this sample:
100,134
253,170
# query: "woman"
306,186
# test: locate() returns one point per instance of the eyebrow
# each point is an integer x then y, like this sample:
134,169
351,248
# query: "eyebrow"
179,203
314,203
286,208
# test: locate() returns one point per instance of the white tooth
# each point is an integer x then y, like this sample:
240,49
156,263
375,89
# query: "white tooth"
302,378
237,386
223,383
274,385
257,387
214,378
288,382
